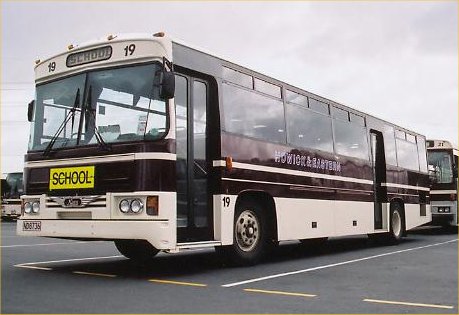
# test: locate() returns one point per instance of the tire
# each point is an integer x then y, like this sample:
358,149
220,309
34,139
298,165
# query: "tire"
397,225
136,250
250,236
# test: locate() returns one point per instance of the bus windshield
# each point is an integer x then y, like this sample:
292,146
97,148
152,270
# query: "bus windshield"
116,105
442,165
14,186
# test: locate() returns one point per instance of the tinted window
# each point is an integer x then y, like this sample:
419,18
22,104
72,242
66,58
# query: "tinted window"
357,119
268,88
410,138
421,142
400,134
350,139
340,113
254,115
389,145
237,77
407,153
292,97
309,129
318,106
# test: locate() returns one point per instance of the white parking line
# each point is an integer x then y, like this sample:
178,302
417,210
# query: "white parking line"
33,267
47,244
332,265
25,265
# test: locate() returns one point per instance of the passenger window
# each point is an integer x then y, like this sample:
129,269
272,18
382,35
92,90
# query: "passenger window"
268,88
410,138
357,119
308,129
340,113
400,134
238,78
292,97
318,106
407,154
389,145
421,143
350,139
252,114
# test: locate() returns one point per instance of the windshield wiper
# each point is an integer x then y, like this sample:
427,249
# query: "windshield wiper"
87,107
71,114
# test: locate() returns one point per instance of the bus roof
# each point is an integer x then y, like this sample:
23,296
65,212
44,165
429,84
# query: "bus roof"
161,37
433,144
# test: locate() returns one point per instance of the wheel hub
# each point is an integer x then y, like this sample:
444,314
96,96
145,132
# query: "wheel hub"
247,230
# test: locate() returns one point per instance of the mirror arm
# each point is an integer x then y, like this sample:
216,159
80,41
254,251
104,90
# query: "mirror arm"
167,63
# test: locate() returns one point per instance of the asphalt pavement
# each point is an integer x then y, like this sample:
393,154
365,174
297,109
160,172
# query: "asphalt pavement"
345,275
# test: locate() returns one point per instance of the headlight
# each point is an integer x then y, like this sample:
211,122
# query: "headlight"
136,205
28,207
35,207
124,206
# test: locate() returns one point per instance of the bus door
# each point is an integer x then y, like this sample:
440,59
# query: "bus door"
379,176
192,167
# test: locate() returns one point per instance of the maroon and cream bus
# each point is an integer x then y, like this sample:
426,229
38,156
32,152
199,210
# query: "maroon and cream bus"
442,161
159,146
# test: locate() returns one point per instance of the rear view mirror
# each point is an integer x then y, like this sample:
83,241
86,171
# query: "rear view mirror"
30,111
166,85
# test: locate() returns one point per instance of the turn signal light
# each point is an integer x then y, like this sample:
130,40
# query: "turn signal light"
159,34
152,205
229,163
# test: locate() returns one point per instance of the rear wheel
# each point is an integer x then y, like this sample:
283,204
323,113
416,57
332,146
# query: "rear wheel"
251,236
397,226
137,250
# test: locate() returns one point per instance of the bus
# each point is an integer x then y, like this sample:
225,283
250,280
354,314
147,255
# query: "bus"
12,189
161,146
442,162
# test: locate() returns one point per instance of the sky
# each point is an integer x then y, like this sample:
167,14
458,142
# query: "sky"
395,60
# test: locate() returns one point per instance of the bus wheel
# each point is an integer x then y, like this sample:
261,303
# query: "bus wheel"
250,236
137,250
396,224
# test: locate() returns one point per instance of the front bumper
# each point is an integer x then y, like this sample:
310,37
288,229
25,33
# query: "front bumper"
161,234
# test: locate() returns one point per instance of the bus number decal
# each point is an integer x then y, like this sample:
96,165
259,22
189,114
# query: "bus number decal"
226,202
52,67
129,50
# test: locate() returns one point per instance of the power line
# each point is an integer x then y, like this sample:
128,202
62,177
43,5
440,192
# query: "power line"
17,82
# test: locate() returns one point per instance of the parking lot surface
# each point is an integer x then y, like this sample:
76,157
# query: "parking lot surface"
345,275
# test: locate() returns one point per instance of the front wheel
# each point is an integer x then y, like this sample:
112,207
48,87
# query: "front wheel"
250,236
136,250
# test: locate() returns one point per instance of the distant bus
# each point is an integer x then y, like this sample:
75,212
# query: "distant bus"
12,189
442,161
163,147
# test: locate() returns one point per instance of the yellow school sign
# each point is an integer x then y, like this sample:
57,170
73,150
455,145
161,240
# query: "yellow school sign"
71,177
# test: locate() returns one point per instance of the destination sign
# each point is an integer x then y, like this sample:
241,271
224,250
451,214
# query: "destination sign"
71,177
88,56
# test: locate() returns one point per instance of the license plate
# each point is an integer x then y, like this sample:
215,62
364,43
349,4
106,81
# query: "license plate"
31,226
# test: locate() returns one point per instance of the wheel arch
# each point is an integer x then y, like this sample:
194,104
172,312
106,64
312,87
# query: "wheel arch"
267,202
